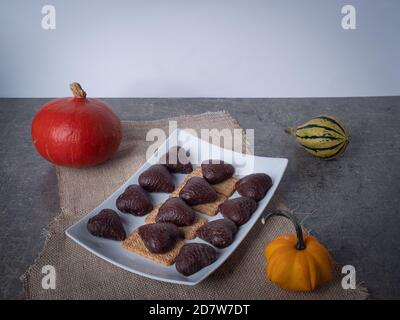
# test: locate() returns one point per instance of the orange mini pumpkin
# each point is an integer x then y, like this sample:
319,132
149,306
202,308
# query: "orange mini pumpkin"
297,262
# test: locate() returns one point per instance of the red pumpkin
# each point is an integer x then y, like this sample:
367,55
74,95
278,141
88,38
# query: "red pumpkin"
77,131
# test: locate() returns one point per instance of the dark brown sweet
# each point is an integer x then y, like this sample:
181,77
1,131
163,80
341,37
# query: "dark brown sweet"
238,209
176,211
220,233
254,186
216,171
197,191
177,161
157,179
193,257
107,224
159,237
134,200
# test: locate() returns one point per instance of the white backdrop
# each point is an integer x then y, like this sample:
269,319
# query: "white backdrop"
200,48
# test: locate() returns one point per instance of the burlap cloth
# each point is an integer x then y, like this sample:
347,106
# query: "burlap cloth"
82,275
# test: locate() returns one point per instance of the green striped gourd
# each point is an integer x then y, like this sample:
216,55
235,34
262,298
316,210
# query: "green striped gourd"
325,137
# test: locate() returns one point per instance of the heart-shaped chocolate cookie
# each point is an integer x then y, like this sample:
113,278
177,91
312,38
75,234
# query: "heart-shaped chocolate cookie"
177,161
159,237
254,186
238,209
216,171
220,233
157,179
134,200
176,211
107,224
193,257
198,191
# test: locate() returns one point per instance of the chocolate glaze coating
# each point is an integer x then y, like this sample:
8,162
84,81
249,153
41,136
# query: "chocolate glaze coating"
216,171
176,211
107,224
238,210
197,191
177,161
134,200
220,233
254,185
193,257
157,179
159,237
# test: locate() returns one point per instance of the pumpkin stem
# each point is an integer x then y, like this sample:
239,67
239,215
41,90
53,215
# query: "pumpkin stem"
77,90
300,245
290,131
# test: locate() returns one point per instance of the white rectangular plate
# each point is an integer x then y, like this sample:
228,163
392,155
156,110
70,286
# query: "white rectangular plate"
199,151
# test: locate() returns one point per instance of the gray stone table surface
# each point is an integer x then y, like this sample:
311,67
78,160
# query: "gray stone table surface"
355,200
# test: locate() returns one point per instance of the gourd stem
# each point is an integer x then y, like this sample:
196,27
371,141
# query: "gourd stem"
77,90
300,245
290,131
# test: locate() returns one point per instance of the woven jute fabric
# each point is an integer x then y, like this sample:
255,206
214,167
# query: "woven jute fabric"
82,275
